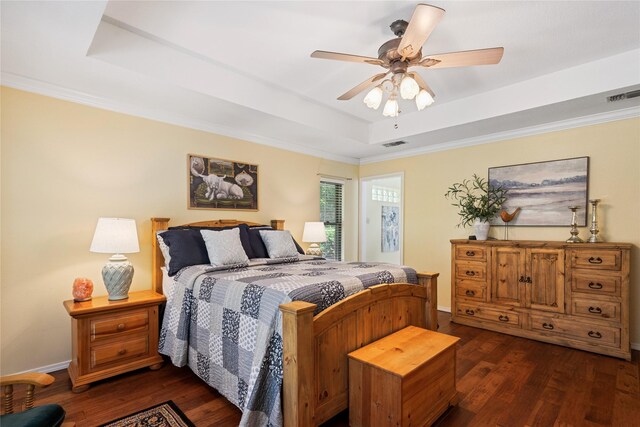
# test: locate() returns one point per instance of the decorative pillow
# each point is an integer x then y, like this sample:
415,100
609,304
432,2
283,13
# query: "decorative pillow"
163,248
244,235
257,245
186,247
224,247
279,244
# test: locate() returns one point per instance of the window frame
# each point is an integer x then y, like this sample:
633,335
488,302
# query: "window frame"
339,225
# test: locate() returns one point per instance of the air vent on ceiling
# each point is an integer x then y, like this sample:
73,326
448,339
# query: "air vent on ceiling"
394,143
621,96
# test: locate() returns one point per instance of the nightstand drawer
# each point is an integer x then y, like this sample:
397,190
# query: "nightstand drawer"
603,259
108,326
117,352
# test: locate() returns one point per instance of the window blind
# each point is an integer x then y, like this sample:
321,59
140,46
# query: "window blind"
331,215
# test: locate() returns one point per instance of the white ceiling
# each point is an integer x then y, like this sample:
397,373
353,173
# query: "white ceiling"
243,68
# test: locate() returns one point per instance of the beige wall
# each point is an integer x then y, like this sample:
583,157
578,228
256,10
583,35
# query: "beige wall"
65,164
614,176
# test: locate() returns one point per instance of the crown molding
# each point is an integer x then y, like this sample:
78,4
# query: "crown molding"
609,116
16,81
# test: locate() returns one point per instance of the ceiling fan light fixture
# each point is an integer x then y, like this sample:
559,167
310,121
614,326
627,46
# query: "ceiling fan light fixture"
374,98
391,107
408,87
423,99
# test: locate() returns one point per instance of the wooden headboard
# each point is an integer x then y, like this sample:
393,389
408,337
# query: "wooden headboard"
159,224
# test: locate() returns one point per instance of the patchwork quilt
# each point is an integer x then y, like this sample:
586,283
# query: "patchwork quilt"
226,324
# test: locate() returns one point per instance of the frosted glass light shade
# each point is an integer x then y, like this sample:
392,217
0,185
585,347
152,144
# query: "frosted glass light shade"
408,87
390,108
314,232
373,98
115,236
423,100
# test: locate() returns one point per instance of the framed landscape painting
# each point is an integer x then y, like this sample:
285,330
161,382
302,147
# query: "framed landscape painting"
221,184
544,191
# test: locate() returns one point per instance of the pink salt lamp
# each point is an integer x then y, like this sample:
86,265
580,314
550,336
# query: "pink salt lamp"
82,289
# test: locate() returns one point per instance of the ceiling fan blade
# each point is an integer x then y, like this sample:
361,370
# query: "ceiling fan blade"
424,19
464,58
418,78
322,54
362,86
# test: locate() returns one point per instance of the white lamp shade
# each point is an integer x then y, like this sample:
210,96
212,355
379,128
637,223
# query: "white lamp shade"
115,236
373,98
390,108
423,99
408,87
314,232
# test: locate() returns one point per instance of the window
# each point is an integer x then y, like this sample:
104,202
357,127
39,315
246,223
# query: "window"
383,194
331,215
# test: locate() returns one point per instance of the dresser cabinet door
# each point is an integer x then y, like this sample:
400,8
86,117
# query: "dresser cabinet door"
509,273
545,280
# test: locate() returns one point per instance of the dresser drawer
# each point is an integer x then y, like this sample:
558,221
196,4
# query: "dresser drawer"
116,352
469,289
594,283
471,271
596,309
108,326
470,253
601,259
491,314
586,332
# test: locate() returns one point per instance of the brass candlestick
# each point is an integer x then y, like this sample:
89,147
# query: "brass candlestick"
574,226
594,222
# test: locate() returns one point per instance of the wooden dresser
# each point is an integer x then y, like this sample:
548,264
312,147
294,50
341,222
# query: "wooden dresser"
571,294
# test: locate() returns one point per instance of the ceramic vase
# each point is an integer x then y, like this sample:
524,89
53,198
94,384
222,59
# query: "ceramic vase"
481,229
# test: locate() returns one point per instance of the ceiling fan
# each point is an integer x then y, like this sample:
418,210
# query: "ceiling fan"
405,51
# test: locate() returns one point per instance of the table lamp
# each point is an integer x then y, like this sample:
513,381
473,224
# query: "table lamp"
314,233
116,236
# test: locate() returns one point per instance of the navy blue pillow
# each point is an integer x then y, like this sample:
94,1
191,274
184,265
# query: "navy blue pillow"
187,247
257,245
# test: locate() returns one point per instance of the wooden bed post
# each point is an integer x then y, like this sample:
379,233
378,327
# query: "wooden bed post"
298,364
430,282
277,224
157,224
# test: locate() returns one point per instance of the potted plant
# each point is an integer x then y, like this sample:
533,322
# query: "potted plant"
477,203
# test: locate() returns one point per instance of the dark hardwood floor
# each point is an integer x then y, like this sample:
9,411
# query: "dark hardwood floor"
502,381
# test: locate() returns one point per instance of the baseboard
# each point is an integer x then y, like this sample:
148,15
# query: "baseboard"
49,368
635,346
445,309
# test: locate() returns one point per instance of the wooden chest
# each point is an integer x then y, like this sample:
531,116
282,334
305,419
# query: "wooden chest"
407,378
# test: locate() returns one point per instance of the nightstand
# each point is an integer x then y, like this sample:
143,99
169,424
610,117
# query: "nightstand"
113,337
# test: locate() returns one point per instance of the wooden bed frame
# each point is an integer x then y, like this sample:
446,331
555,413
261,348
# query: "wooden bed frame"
315,348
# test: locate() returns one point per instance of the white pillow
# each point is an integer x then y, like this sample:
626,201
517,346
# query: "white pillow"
164,249
279,244
224,247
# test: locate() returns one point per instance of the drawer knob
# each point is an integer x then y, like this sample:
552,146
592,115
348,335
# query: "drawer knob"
547,326
470,293
470,273
503,318
122,351
595,310
471,253
593,260
595,285
595,334
470,312
121,327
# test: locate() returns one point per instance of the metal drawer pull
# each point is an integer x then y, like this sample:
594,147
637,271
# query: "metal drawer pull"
122,352
471,253
470,293
470,273
547,326
528,280
594,334
593,260
470,312
521,280
121,327
595,310
595,285
503,318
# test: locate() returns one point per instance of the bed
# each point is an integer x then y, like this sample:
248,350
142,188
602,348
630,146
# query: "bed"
311,369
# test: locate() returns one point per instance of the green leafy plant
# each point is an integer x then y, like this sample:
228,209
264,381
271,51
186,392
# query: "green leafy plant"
476,199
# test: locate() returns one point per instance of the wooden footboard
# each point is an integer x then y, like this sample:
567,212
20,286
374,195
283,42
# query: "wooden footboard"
315,384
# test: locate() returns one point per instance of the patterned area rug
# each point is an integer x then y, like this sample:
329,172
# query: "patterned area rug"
166,414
